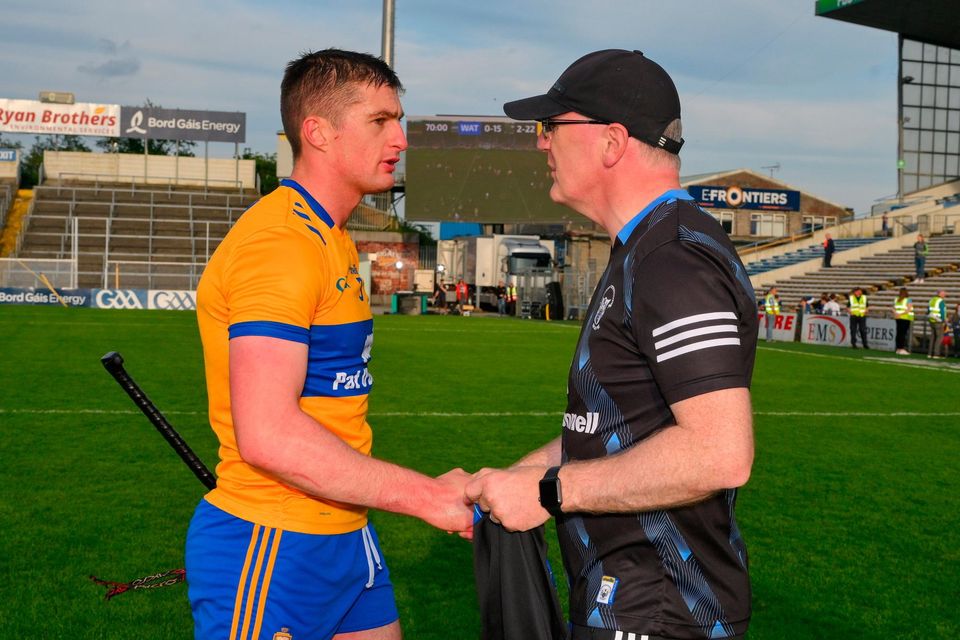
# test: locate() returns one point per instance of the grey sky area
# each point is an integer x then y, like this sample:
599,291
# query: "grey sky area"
762,83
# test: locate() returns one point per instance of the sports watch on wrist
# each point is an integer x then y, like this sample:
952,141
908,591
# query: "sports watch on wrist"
551,497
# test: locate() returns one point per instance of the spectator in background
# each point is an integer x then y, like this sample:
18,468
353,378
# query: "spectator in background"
440,297
462,294
885,225
920,251
771,307
819,305
501,298
903,314
858,317
937,317
954,322
828,248
831,307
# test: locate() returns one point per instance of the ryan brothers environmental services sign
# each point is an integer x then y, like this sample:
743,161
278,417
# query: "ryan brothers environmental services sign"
80,119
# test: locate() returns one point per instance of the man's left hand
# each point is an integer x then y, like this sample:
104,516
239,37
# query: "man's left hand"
512,496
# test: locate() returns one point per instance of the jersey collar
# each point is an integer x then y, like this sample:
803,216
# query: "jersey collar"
311,201
673,194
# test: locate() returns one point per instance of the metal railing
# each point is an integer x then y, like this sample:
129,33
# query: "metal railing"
27,272
6,200
149,274
108,179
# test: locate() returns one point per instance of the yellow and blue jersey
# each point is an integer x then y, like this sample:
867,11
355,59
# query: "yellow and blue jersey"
286,271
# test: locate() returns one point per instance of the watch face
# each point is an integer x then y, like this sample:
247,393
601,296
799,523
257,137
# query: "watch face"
550,494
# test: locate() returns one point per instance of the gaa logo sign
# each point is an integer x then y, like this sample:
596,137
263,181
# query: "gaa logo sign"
172,300
117,299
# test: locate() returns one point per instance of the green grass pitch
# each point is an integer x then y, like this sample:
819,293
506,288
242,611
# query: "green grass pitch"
850,516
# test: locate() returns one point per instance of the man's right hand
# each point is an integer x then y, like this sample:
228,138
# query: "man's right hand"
448,509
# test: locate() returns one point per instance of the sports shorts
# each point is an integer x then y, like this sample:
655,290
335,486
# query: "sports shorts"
248,581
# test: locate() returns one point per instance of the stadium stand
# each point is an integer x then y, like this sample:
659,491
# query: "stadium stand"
880,275
802,255
131,236
141,236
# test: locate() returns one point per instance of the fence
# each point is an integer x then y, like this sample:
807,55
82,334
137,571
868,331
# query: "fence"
26,272
139,274
6,199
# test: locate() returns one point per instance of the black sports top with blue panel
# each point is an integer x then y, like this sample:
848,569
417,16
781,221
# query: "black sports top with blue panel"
672,318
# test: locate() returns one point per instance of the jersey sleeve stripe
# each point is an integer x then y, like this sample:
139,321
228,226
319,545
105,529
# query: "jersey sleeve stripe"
697,346
316,231
702,317
270,329
717,328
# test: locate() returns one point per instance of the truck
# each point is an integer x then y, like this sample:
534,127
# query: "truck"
484,261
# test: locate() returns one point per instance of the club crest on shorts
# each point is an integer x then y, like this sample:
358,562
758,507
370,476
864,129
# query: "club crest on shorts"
605,303
283,634
608,589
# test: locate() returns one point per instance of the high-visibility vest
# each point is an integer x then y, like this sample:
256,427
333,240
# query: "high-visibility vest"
858,306
511,293
933,311
902,309
771,305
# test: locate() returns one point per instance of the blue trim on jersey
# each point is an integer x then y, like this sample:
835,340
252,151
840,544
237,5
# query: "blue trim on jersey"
318,209
673,194
270,329
337,361
316,231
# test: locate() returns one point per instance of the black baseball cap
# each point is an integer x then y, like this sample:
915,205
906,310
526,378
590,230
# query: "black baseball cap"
613,85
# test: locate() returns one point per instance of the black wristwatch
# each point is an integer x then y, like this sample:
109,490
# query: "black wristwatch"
551,498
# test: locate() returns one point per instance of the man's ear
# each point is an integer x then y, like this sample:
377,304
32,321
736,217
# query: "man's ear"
317,132
615,142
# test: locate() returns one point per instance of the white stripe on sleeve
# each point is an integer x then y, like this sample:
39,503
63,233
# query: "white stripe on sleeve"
696,346
702,317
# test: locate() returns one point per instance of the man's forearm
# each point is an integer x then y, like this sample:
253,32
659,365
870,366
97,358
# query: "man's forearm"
710,449
546,456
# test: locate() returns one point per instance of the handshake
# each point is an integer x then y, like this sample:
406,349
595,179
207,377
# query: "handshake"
511,497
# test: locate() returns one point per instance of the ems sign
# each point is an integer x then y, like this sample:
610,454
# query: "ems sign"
734,197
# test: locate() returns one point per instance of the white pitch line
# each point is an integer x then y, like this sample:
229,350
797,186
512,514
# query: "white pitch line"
911,364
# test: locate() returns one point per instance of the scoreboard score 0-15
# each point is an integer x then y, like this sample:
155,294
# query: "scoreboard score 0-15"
476,133
478,169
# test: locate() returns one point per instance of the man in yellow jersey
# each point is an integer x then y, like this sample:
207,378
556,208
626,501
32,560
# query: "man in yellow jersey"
282,544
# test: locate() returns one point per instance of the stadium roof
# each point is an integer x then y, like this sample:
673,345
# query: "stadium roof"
931,21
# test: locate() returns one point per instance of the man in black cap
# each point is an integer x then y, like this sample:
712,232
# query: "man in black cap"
657,434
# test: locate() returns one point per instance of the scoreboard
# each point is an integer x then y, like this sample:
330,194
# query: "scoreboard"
478,169
471,133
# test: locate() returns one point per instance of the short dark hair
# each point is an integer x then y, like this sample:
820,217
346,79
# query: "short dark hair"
323,82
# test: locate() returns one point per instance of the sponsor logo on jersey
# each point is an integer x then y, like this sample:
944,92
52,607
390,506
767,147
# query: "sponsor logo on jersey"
350,381
605,303
581,424
608,589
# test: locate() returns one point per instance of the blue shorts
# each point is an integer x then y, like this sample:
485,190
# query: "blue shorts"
250,581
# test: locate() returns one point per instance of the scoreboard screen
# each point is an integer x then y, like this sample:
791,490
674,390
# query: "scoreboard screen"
478,169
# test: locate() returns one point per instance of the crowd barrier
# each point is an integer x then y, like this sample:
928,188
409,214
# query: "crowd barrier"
164,299
832,331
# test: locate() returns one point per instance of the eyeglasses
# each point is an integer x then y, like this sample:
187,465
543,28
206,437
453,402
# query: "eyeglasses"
545,127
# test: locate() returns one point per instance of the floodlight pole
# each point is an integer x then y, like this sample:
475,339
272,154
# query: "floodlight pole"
386,47
900,118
